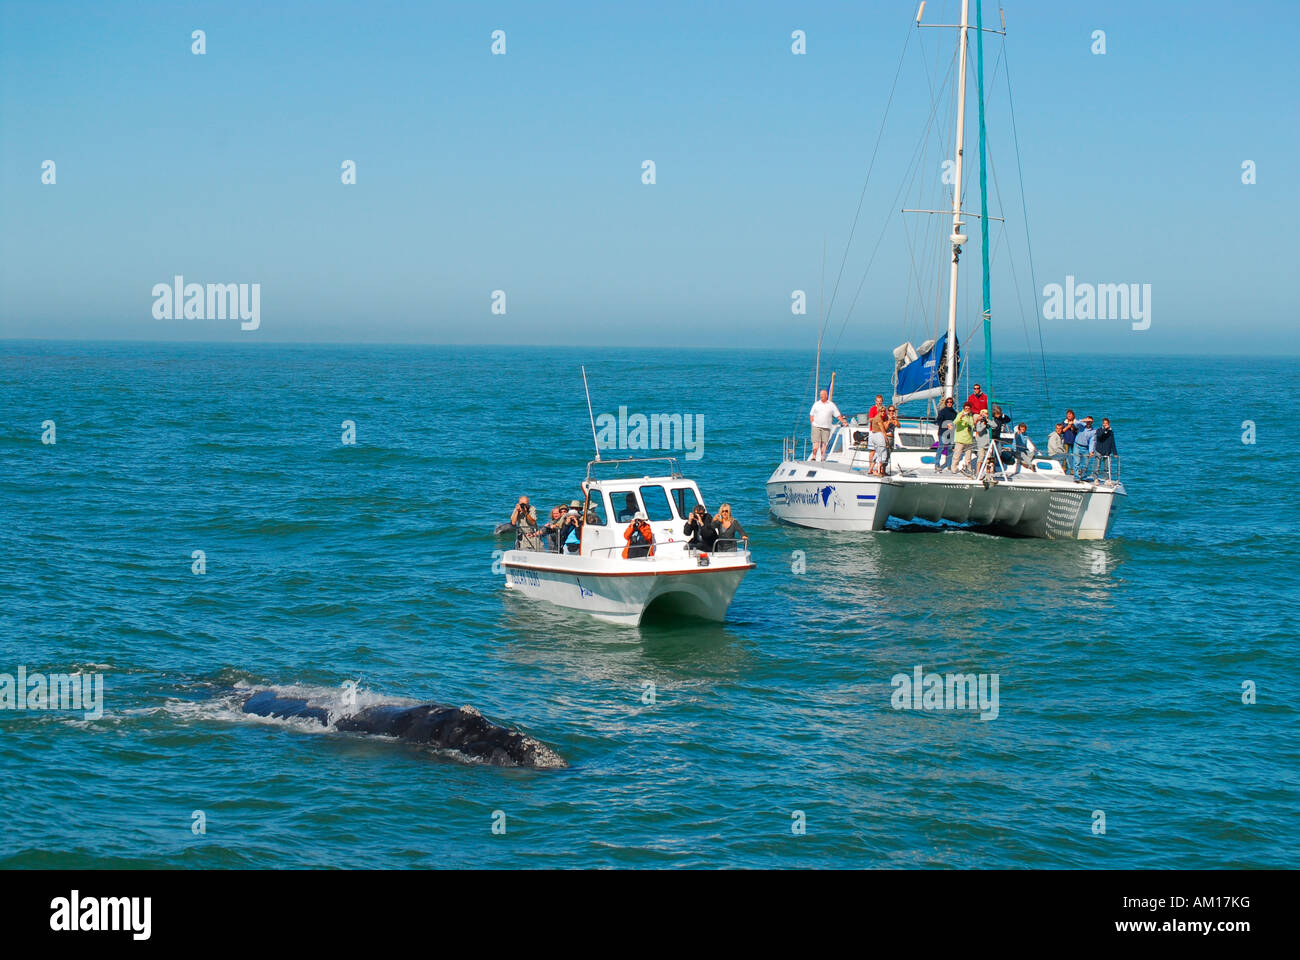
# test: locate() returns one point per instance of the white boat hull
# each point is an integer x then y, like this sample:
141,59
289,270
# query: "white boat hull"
826,495
621,591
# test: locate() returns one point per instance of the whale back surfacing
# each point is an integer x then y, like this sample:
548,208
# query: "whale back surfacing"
462,729
268,703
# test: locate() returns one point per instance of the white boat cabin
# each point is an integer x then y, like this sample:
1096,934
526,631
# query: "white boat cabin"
666,499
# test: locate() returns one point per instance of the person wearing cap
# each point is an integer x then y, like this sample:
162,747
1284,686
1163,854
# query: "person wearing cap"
571,528
1083,448
640,538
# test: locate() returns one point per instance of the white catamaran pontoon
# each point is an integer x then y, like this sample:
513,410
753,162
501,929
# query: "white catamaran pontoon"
839,492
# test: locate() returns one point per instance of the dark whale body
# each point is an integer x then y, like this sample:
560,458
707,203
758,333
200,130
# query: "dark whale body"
462,729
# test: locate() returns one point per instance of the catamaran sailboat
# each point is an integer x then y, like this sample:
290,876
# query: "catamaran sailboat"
1002,494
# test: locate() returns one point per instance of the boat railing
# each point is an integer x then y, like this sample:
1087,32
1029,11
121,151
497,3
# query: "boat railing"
724,545
1099,462
616,551
731,545
992,463
676,470
1095,466
863,458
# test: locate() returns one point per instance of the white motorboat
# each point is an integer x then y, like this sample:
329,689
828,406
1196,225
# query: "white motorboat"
620,582
1037,497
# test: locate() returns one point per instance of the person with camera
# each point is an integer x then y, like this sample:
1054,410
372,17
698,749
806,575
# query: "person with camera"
524,519
963,435
640,538
699,527
891,428
571,528
998,422
982,431
727,531
523,514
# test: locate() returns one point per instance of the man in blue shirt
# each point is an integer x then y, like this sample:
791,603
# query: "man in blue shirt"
1083,448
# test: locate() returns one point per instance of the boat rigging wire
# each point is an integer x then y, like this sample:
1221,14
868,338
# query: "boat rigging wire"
870,167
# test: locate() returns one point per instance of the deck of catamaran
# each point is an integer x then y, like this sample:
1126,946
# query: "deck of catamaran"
1001,493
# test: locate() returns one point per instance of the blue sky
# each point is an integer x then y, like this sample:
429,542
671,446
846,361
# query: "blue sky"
522,172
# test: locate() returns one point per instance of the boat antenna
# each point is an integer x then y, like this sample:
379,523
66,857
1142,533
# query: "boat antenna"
821,327
590,415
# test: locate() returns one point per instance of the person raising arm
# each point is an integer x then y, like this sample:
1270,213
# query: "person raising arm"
820,418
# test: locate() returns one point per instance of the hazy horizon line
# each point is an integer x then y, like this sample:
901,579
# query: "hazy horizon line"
600,346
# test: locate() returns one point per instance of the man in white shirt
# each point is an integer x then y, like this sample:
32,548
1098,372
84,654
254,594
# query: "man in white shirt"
821,416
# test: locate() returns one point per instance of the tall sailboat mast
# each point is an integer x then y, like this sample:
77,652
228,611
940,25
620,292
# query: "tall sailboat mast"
984,201
958,238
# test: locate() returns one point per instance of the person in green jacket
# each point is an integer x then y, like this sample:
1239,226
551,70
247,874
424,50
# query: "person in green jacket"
963,437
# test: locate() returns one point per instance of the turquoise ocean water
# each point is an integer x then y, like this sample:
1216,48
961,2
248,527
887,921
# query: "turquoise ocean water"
1121,663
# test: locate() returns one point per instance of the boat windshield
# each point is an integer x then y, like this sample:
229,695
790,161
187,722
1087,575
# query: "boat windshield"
596,509
656,503
625,505
685,499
